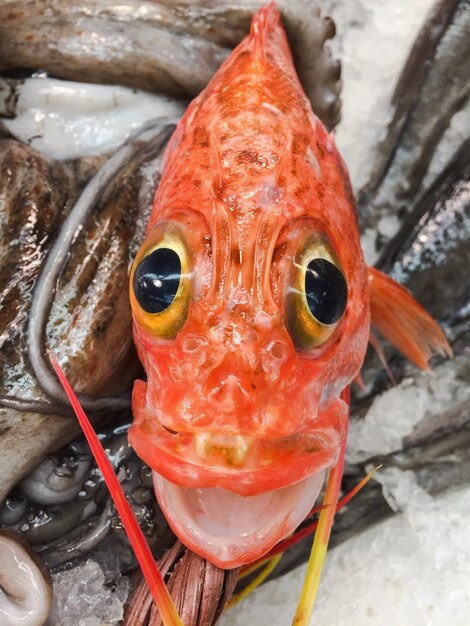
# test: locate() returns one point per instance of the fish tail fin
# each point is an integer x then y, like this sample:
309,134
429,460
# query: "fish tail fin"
403,322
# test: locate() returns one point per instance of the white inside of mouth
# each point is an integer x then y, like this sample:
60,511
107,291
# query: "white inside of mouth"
229,529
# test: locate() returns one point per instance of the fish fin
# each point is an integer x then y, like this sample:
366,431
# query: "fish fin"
375,343
263,21
141,549
359,381
404,322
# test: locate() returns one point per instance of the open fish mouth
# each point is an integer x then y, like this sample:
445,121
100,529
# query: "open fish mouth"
229,529
231,497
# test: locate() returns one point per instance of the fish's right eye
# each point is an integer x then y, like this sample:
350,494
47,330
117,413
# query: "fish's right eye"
161,284
157,279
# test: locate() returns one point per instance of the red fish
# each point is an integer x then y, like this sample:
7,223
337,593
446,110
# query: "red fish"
252,310
250,300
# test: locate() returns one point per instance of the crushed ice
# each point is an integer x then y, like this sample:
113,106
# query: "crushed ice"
393,415
83,597
412,569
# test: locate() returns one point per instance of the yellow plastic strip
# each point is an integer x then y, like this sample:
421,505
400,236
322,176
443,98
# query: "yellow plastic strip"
320,544
249,569
256,581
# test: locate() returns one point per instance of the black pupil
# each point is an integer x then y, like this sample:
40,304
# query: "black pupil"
326,291
156,280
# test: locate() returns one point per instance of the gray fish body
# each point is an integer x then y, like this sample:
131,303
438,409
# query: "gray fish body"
87,321
431,252
172,47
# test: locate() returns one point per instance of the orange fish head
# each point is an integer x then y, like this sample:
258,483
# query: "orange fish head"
249,299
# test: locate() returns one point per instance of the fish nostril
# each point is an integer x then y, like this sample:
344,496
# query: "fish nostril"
190,344
277,350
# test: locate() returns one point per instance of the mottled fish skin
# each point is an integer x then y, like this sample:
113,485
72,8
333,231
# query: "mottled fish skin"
421,118
242,397
247,163
35,198
172,47
90,306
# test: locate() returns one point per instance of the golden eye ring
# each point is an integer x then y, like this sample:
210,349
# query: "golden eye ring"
316,294
160,283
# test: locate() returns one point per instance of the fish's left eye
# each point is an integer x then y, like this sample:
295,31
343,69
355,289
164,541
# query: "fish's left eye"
161,283
326,291
316,294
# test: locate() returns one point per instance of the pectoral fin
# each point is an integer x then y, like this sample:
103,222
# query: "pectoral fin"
404,322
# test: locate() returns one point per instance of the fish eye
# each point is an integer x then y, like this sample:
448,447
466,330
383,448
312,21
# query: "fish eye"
325,290
161,283
316,294
156,280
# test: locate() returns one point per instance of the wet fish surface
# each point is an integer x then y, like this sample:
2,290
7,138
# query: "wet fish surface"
81,322
432,248
171,47
370,505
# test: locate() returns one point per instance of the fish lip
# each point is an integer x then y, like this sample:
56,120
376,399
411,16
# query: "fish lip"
270,464
243,482
229,529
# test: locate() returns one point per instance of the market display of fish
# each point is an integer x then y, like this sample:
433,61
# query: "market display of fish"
431,89
172,47
67,248
33,320
218,480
